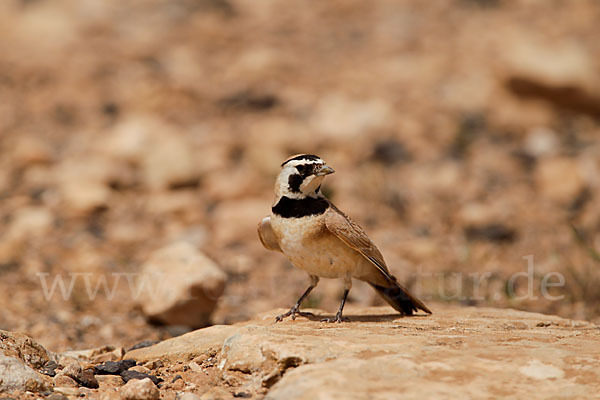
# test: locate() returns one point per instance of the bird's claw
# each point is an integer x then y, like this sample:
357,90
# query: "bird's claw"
338,318
293,312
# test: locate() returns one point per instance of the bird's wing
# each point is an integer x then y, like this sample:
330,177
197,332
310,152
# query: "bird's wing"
355,237
267,236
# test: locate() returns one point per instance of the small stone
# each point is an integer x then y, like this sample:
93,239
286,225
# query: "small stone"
131,375
178,385
195,367
186,285
49,368
153,364
15,375
86,378
64,381
70,367
113,367
139,389
560,179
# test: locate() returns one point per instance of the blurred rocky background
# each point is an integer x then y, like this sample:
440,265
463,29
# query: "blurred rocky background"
140,135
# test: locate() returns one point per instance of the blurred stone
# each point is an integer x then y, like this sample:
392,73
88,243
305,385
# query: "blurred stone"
15,375
182,286
165,155
559,179
30,150
555,63
83,182
137,389
236,220
30,221
339,116
541,142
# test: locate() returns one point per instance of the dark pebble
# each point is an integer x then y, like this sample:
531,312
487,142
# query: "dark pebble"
113,367
491,232
129,375
49,368
141,345
86,378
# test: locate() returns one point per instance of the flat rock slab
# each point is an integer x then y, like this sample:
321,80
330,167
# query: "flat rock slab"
454,353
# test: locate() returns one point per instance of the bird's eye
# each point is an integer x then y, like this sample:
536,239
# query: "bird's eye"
301,168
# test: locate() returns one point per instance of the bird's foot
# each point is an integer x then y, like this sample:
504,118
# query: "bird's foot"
293,312
338,318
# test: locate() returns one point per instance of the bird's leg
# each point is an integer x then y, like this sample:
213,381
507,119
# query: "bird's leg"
338,316
295,310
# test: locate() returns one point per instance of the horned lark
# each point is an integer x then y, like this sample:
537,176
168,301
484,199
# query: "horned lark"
321,240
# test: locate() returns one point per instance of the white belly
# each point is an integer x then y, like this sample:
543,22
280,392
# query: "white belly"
312,248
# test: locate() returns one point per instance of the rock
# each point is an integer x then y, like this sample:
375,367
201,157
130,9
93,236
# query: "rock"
50,368
86,379
139,390
70,367
114,367
83,183
552,63
341,117
183,286
16,376
24,348
560,179
64,381
380,353
29,222
203,341
131,375
165,155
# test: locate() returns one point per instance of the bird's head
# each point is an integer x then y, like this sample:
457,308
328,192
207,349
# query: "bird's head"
301,176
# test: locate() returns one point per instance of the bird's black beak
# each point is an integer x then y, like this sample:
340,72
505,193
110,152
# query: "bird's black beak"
325,170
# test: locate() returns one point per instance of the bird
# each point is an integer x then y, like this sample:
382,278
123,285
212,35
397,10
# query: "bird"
323,241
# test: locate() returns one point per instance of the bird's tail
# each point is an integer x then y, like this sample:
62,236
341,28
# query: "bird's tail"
400,298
